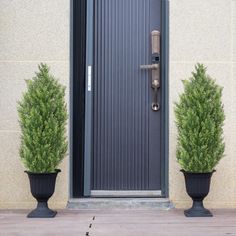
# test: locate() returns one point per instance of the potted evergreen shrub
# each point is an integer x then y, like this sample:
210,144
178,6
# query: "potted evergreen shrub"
200,146
42,117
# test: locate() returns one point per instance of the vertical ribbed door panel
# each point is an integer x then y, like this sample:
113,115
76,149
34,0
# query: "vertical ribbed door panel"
126,132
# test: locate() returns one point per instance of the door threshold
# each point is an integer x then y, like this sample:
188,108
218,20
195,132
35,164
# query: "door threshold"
121,193
120,203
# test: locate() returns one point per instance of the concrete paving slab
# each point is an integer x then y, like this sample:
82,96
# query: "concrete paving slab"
119,203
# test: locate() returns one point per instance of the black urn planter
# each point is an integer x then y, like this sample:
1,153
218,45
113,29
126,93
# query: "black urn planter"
42,187
197,187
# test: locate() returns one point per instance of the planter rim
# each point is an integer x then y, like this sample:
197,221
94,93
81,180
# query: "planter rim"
46,173
197,173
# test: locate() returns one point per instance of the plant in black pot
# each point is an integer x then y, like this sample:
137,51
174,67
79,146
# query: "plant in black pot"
200,146
43,116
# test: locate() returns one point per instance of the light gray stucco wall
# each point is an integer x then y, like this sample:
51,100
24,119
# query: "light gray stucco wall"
38,31
31,32
205,31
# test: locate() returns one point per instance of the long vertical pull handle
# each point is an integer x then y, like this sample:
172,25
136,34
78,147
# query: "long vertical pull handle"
155,68
155,104
155,36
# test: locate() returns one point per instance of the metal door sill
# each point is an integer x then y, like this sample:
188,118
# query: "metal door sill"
121,193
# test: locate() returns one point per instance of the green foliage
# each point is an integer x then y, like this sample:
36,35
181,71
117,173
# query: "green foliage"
42,116
199,119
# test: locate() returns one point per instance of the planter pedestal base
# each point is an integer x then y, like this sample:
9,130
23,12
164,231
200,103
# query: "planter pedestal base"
42,211
42,186
197,187
197,210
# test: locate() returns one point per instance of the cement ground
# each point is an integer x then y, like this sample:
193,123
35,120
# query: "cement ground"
118,223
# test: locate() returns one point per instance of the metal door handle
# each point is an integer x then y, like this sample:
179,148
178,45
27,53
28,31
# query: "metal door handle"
154,67
149,67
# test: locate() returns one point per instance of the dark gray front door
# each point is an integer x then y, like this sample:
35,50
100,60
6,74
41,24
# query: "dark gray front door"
126,137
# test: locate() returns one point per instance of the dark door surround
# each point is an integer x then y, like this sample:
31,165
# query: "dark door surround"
77,98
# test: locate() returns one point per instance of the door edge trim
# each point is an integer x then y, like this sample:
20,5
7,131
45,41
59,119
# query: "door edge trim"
165,100
88,99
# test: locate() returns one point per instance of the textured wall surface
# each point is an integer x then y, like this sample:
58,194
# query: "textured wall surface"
38,31
205,31
30,32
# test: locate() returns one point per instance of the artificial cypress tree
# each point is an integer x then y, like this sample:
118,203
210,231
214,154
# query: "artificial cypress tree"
42,116
199,119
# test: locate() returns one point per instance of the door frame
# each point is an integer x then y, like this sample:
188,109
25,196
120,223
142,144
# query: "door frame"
81,98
